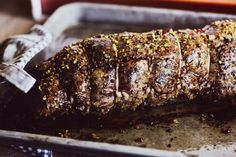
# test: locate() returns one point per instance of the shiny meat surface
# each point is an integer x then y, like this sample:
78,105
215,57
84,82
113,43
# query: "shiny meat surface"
134,76
165,67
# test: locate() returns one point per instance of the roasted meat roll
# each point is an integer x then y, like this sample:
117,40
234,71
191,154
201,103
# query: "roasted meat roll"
127,70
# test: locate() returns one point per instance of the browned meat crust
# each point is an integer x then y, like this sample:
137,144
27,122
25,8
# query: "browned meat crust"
102,55
165,66
227,69
64,86
133,83
126,70
220,34
133,71
195,62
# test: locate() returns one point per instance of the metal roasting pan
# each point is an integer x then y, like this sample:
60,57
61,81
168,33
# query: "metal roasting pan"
210,133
